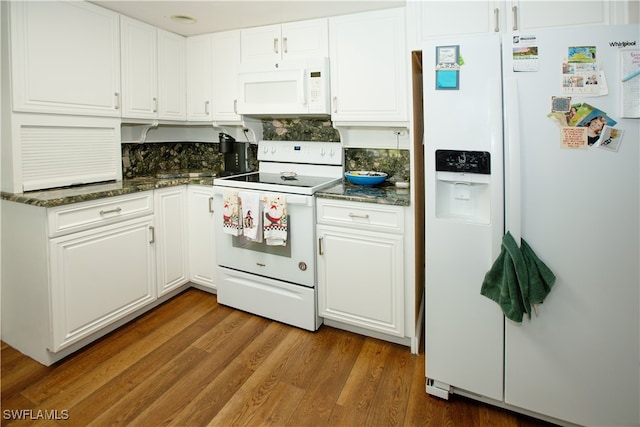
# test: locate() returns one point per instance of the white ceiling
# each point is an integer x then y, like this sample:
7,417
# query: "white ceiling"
221,15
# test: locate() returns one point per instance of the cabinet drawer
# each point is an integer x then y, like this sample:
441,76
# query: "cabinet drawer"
367,216
81,216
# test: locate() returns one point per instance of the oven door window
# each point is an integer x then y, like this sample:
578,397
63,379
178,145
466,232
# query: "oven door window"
242,242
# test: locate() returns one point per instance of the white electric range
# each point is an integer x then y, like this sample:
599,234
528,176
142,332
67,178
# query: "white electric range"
274,277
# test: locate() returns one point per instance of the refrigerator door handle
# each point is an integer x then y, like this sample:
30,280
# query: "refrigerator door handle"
512,185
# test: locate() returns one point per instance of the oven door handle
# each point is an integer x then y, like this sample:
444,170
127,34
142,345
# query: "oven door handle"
292,199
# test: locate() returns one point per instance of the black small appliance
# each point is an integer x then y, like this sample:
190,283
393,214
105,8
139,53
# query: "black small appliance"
235,154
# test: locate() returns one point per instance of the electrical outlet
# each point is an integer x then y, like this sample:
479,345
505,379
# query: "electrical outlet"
400,132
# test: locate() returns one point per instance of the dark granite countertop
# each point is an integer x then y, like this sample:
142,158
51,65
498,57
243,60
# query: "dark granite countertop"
386,194
64,196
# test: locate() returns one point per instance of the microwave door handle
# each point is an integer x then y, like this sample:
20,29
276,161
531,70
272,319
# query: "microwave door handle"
302,89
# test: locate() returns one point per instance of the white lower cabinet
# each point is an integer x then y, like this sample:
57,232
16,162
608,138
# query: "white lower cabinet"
99,276
72,273
170,236
202,248
361,265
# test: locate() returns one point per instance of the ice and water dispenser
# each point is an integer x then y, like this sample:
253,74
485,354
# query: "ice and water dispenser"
463,185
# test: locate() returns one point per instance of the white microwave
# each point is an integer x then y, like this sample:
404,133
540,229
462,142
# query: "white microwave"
290,87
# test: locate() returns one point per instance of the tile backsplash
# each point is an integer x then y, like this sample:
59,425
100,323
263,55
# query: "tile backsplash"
299,130
395,163
153,158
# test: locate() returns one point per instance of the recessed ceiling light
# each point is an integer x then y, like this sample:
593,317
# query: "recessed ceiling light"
184,19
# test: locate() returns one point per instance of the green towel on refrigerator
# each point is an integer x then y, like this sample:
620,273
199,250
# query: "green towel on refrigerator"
541,278
517,279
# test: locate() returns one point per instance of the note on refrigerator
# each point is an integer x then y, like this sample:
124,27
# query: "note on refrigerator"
629,66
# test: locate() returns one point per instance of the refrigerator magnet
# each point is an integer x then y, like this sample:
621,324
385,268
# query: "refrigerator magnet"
560,104
447,67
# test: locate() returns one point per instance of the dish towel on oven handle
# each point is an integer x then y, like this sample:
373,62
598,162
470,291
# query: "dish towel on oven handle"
231,209
251,222
275,219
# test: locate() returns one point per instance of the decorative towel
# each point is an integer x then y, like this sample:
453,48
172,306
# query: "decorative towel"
251,215
517,279
275,219
231,208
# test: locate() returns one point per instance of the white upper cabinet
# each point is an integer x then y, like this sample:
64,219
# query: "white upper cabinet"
172,76
443,18
294,40
139,62
199,78
226,59
65,58
213,61
368,63
153,72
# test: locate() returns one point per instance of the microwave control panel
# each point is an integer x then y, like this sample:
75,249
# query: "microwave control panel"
317,82
315,89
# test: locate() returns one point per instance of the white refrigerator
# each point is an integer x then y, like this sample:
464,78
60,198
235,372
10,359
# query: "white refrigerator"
505,152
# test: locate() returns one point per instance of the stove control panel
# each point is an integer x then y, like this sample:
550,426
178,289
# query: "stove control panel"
463,161
311,152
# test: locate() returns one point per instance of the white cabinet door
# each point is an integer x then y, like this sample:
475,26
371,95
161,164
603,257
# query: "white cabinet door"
172,76
294,40
202,248
360,278
443,18
528,15
199,78
171,238
153,72
305,39
261,44
139,61
226,56
368,67
65,58
99,276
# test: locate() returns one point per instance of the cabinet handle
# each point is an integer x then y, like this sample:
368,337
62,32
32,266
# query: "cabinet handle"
514,9
117,95
211,204
155,105
284,45
352,215
496,12
275,45
152,229
206,107
235,106
335,104
116,210
320,250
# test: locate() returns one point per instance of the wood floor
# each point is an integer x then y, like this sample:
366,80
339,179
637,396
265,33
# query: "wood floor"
192,362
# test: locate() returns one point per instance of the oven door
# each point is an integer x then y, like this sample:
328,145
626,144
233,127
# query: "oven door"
293,262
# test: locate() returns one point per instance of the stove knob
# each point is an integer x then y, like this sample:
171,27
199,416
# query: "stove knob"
322,152
273,149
